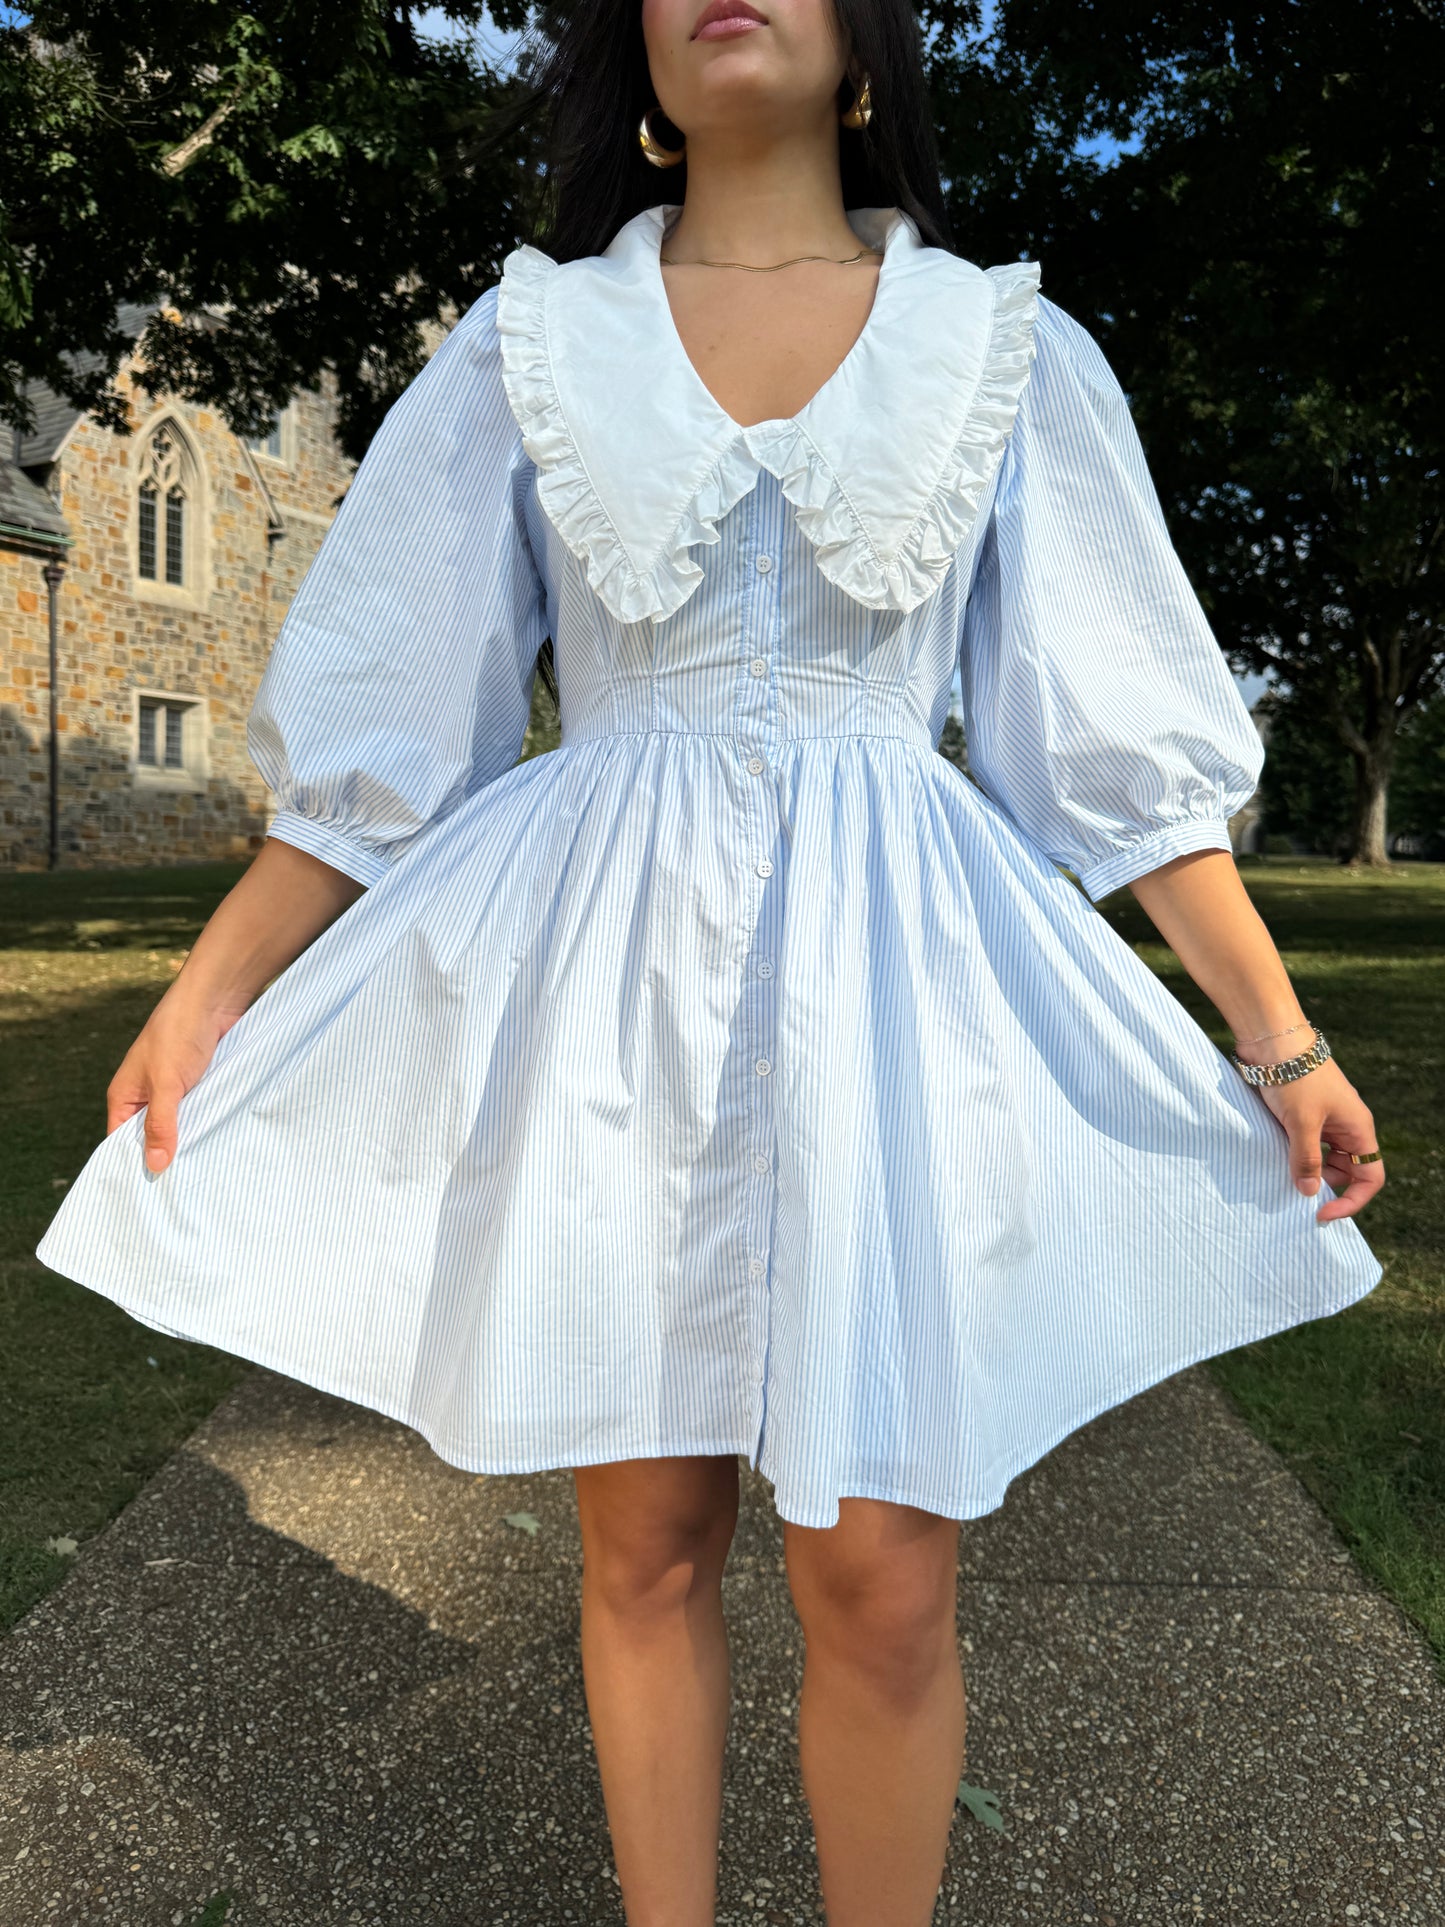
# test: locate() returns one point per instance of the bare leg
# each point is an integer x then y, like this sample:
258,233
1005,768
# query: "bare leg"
655,1536
882,1715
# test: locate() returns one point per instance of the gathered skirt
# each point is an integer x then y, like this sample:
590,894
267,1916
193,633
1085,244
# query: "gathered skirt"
586,1135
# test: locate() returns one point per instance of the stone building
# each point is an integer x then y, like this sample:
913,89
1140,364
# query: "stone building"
180,546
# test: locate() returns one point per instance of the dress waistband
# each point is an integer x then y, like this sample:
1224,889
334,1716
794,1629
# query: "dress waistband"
914,733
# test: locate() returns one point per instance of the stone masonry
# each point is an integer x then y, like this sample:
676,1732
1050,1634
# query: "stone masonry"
134,791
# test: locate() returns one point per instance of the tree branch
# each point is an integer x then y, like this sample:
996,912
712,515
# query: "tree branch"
181,157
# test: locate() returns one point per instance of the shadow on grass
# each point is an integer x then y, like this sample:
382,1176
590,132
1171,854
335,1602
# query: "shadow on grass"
133,909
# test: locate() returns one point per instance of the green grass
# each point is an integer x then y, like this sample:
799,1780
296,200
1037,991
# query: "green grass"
214,1913
93,1402
1353,1402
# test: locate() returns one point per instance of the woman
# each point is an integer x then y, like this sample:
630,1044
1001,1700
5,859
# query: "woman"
741,1077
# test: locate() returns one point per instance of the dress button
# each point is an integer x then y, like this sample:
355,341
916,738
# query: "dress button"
765,968
758,666
760,1163
765,869
756,1267
763,564
756,765
762,1067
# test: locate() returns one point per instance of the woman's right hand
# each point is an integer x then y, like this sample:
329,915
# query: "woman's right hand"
166,1059
282,903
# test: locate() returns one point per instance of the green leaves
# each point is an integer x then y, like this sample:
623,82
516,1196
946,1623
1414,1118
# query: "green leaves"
982,1804
306,172
1251,259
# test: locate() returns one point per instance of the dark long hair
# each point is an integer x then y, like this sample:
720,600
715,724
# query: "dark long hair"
584,80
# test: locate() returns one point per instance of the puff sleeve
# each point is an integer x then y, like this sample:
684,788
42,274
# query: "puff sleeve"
1098,709
401,680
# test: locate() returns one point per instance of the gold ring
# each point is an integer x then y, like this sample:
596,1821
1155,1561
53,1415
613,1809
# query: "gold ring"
1365,1157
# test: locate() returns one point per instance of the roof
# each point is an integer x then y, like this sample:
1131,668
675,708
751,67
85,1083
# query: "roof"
27,512
54,415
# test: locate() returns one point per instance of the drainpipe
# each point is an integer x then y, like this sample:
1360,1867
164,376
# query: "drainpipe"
54,574
275,521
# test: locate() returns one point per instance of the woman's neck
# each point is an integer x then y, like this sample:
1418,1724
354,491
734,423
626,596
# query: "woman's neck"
756,210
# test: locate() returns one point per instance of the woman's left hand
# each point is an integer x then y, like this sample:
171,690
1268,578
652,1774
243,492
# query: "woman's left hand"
1324,1104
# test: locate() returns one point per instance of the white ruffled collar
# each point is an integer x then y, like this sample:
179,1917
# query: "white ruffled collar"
885,467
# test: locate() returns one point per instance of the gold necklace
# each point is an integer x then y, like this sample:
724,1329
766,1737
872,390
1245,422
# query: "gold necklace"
772,266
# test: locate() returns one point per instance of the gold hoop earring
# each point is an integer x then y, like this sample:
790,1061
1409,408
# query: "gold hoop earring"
653,148
861,112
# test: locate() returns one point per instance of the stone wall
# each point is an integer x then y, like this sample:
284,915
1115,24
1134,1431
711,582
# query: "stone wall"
253,525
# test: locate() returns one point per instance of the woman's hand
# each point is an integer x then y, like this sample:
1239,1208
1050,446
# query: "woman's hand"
282,903
1199,905
169,1056
1324,1104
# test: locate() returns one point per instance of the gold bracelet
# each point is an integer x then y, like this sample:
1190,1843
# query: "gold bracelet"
1306,1025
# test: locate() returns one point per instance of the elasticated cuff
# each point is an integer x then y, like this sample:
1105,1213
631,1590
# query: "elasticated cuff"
1198,833
333,846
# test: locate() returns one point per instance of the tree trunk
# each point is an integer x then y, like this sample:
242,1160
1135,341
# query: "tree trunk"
1372,792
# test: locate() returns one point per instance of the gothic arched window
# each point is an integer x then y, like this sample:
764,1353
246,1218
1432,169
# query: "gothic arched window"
164,505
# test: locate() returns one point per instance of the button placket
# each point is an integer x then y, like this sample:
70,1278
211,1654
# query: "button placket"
757,729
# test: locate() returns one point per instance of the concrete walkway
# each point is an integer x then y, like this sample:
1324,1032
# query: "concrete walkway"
315,1668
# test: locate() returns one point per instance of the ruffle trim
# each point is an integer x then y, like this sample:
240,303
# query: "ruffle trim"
564,487
828,519
824,513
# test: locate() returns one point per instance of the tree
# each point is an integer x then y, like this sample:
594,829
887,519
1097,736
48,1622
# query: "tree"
1241,203
1417,793
1254,262
304,174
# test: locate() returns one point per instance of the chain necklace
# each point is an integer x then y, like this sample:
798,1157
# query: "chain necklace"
772,266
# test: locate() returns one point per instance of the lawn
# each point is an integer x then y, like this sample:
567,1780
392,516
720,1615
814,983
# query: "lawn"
94,1402
1356,1402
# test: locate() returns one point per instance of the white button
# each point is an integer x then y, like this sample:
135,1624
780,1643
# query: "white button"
760,1163
765,869
756,1267
765,968
763,564
756,765
762,1067
758,666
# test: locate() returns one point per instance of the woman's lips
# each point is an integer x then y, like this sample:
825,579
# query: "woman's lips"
733,23
718,21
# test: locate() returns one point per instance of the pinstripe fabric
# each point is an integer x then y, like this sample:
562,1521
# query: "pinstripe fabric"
740,1077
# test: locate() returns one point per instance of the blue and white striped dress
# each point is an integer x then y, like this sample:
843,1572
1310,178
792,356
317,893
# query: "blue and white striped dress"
739,1077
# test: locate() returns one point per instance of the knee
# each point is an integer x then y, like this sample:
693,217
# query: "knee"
643,1560
891,1623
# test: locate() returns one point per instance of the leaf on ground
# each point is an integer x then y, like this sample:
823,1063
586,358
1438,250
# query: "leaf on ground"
982,1804
67,1548
524,1521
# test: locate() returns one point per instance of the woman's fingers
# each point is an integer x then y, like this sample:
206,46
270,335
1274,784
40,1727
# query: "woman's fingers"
160,1125
1355,1184
125,1096
1306,1161
1343,1122
166,1060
